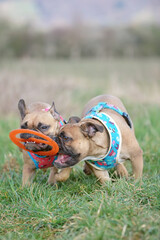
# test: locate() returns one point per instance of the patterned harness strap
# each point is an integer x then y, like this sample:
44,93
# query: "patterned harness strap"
103,105
111,158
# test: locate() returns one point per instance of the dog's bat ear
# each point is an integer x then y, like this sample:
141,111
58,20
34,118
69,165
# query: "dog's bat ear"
74,119
89,129
22,108
53,111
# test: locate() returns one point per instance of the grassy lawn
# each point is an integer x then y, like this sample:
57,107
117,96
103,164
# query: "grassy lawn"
81,208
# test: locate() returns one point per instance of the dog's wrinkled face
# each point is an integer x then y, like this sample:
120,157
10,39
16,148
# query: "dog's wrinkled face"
77,141
39,119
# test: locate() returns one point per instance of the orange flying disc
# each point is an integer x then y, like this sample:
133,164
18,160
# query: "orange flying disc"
47,140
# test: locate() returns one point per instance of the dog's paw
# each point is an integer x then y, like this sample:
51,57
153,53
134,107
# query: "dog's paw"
121,171
52,181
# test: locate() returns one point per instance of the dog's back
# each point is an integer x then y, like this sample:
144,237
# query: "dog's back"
103,98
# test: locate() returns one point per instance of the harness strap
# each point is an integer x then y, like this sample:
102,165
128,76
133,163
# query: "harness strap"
62,121
36,163
103,105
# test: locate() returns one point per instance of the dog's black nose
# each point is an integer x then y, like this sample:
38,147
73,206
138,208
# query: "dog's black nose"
54,138
26,135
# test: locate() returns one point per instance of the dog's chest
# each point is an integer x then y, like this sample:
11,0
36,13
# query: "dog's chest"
42,161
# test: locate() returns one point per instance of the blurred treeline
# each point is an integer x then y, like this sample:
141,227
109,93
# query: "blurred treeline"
79,41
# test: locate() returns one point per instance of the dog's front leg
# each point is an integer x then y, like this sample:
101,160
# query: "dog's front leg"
101,175
63,175
53,172
27,175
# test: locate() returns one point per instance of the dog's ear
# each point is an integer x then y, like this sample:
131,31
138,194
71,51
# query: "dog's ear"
89,129
74,119
22,108
53,111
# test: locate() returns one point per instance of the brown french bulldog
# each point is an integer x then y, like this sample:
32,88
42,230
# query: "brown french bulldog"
43,118
101,146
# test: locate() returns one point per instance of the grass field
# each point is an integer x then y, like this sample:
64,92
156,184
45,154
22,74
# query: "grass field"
81,208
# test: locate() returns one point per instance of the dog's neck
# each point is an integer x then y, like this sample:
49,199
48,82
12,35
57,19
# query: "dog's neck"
113,134
111,157
100,143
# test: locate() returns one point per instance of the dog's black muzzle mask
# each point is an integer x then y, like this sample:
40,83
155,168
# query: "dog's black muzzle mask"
66,156
33,146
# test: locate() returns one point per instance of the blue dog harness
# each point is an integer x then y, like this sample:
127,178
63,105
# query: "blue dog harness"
111,158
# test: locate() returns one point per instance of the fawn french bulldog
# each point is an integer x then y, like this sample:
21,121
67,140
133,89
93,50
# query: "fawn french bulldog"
43,118
104,138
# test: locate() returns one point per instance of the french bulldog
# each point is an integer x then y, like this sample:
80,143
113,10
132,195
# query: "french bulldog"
43,118
104,138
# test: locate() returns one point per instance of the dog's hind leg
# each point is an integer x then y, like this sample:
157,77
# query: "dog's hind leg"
137,163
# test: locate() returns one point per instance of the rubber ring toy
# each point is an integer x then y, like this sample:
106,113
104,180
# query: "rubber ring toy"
47,140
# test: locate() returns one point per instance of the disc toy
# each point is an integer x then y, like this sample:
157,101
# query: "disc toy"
20,142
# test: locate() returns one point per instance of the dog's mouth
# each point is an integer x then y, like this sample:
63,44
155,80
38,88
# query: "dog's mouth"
33,146
64,160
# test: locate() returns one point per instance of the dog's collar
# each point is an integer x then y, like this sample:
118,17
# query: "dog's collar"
62,121
111,157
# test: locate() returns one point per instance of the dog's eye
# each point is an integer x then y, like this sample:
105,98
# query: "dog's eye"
44,127
65,138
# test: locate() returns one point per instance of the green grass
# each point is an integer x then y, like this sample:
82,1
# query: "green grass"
81,208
